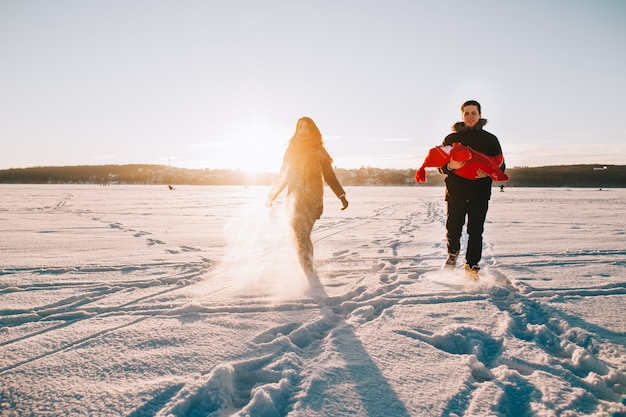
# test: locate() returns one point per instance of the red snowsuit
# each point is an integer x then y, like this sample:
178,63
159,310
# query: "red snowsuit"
474,161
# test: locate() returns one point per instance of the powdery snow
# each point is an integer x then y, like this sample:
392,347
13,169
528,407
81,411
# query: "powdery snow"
141,301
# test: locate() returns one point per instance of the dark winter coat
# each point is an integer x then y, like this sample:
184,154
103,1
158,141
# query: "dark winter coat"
458,188
305,168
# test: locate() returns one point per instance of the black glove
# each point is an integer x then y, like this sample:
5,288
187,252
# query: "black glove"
344,202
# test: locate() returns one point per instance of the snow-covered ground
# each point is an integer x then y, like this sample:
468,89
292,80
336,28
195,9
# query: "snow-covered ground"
141,301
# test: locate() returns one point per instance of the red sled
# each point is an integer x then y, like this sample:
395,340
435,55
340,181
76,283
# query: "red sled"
474,162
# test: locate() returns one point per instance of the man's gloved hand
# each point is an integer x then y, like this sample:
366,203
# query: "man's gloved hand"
344,202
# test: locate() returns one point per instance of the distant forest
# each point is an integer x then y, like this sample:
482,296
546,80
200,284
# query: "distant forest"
609,176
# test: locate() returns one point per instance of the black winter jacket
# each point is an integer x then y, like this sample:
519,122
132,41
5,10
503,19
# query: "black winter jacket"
459,188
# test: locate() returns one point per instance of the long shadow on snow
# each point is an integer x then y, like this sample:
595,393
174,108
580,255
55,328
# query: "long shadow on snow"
377,396
157,402
276,372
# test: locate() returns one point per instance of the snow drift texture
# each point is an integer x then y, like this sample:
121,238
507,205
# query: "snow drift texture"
141,301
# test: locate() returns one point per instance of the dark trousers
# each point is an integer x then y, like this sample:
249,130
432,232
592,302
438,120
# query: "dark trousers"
476,212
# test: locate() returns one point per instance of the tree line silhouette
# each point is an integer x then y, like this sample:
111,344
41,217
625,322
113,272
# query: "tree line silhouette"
609,176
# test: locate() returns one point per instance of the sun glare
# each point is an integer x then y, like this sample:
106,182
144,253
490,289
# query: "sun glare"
254,149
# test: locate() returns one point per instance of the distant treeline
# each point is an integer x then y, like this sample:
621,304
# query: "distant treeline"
129,174
609,176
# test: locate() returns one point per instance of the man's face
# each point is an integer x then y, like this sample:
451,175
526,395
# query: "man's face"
471,115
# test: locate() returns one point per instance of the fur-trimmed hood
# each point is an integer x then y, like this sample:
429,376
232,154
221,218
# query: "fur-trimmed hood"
459,127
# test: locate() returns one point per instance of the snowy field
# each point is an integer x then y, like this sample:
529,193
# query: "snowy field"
141,301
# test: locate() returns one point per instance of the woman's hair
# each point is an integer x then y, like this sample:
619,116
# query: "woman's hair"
471,103
314,133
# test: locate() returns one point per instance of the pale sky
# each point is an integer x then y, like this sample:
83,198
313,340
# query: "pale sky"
221,84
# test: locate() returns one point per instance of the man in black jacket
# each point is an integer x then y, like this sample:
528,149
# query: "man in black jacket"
467,197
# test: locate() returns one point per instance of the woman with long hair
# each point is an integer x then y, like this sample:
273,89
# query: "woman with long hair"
306,165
